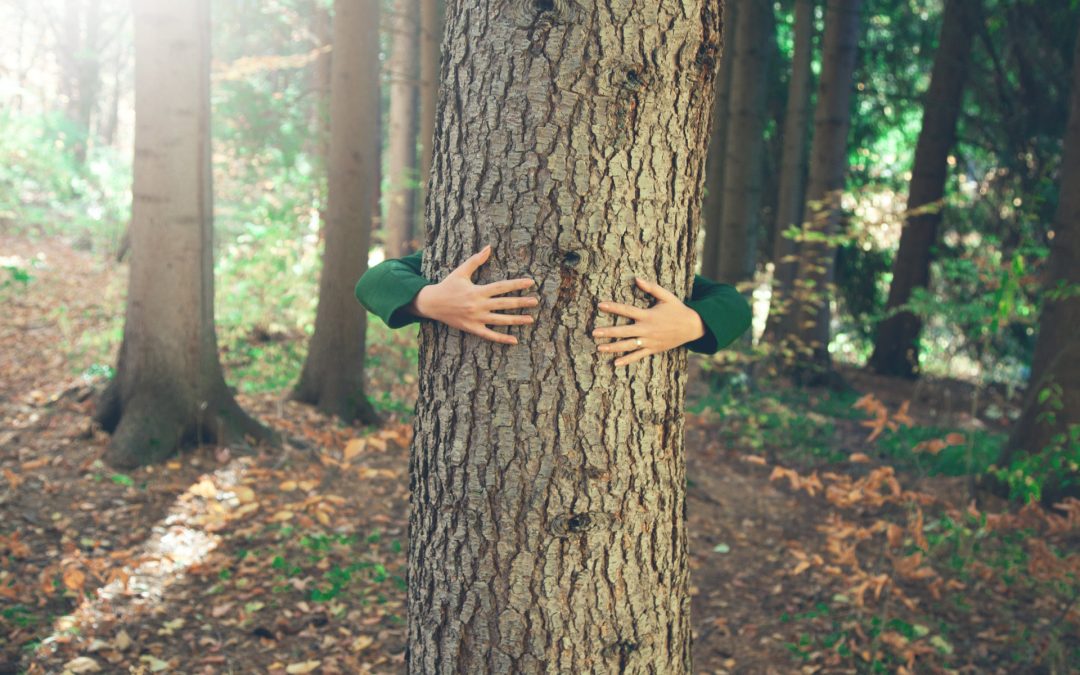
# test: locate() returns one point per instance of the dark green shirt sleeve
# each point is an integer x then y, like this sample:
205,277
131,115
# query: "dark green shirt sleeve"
387,288
724,311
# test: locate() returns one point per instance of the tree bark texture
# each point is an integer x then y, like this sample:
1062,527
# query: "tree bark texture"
548,529
741,219
896,348
808,336
401,149
169,390
333,375
792,188
712,208
1056,362
431,30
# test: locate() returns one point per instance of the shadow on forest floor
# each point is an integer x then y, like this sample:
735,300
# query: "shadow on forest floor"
810,551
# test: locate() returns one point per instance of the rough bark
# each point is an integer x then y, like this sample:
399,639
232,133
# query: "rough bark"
1056,363
169,390
431,30
547,530
333,375
712,208
808,334
792,188
401,149
896,348
741,219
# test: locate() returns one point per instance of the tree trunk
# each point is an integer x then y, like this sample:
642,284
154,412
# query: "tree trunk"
548,530
741,219
1056,364
808,335
333,375
792,189
401,150
896,349
169,390
430,42
712,209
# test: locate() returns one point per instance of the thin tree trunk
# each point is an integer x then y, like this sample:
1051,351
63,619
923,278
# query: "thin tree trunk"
896,349
547,531
808,334
333,375
1052,401
792,189
169,390
741,219
431,25
401,151
712,209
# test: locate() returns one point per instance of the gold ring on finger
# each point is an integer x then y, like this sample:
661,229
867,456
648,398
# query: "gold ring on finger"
638,342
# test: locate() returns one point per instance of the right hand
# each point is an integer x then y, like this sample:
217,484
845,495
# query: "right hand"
459,303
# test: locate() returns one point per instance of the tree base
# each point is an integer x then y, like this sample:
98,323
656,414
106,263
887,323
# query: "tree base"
351,408
148,428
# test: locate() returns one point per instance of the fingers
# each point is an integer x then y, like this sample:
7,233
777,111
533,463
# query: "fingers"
629,311
468,268
655,290
631,358
511,303
507,319
506,286
620,346
494,336
629,330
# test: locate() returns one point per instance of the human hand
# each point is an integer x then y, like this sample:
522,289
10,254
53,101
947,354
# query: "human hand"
459,303
666,325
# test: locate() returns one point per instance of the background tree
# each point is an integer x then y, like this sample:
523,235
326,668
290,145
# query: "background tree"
168,389
1050,420
401,129
712,209
431,29
809,328
547,530
792,186
741,218
896,350
333,375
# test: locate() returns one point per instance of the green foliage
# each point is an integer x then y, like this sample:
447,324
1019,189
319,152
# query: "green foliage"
975,455
860,270
44,190
1058,464
982,308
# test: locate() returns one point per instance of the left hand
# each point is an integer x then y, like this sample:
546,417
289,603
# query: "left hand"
666,325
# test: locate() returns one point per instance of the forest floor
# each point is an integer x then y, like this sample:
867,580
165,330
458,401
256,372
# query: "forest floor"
812,550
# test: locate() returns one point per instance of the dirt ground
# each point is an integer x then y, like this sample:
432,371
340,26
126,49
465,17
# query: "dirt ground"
208,564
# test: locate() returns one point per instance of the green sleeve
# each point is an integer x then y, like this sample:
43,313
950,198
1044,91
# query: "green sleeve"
724,311
388,287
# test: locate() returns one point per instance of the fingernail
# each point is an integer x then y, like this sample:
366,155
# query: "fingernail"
598,333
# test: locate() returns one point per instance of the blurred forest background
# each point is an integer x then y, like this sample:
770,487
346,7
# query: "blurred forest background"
884,473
